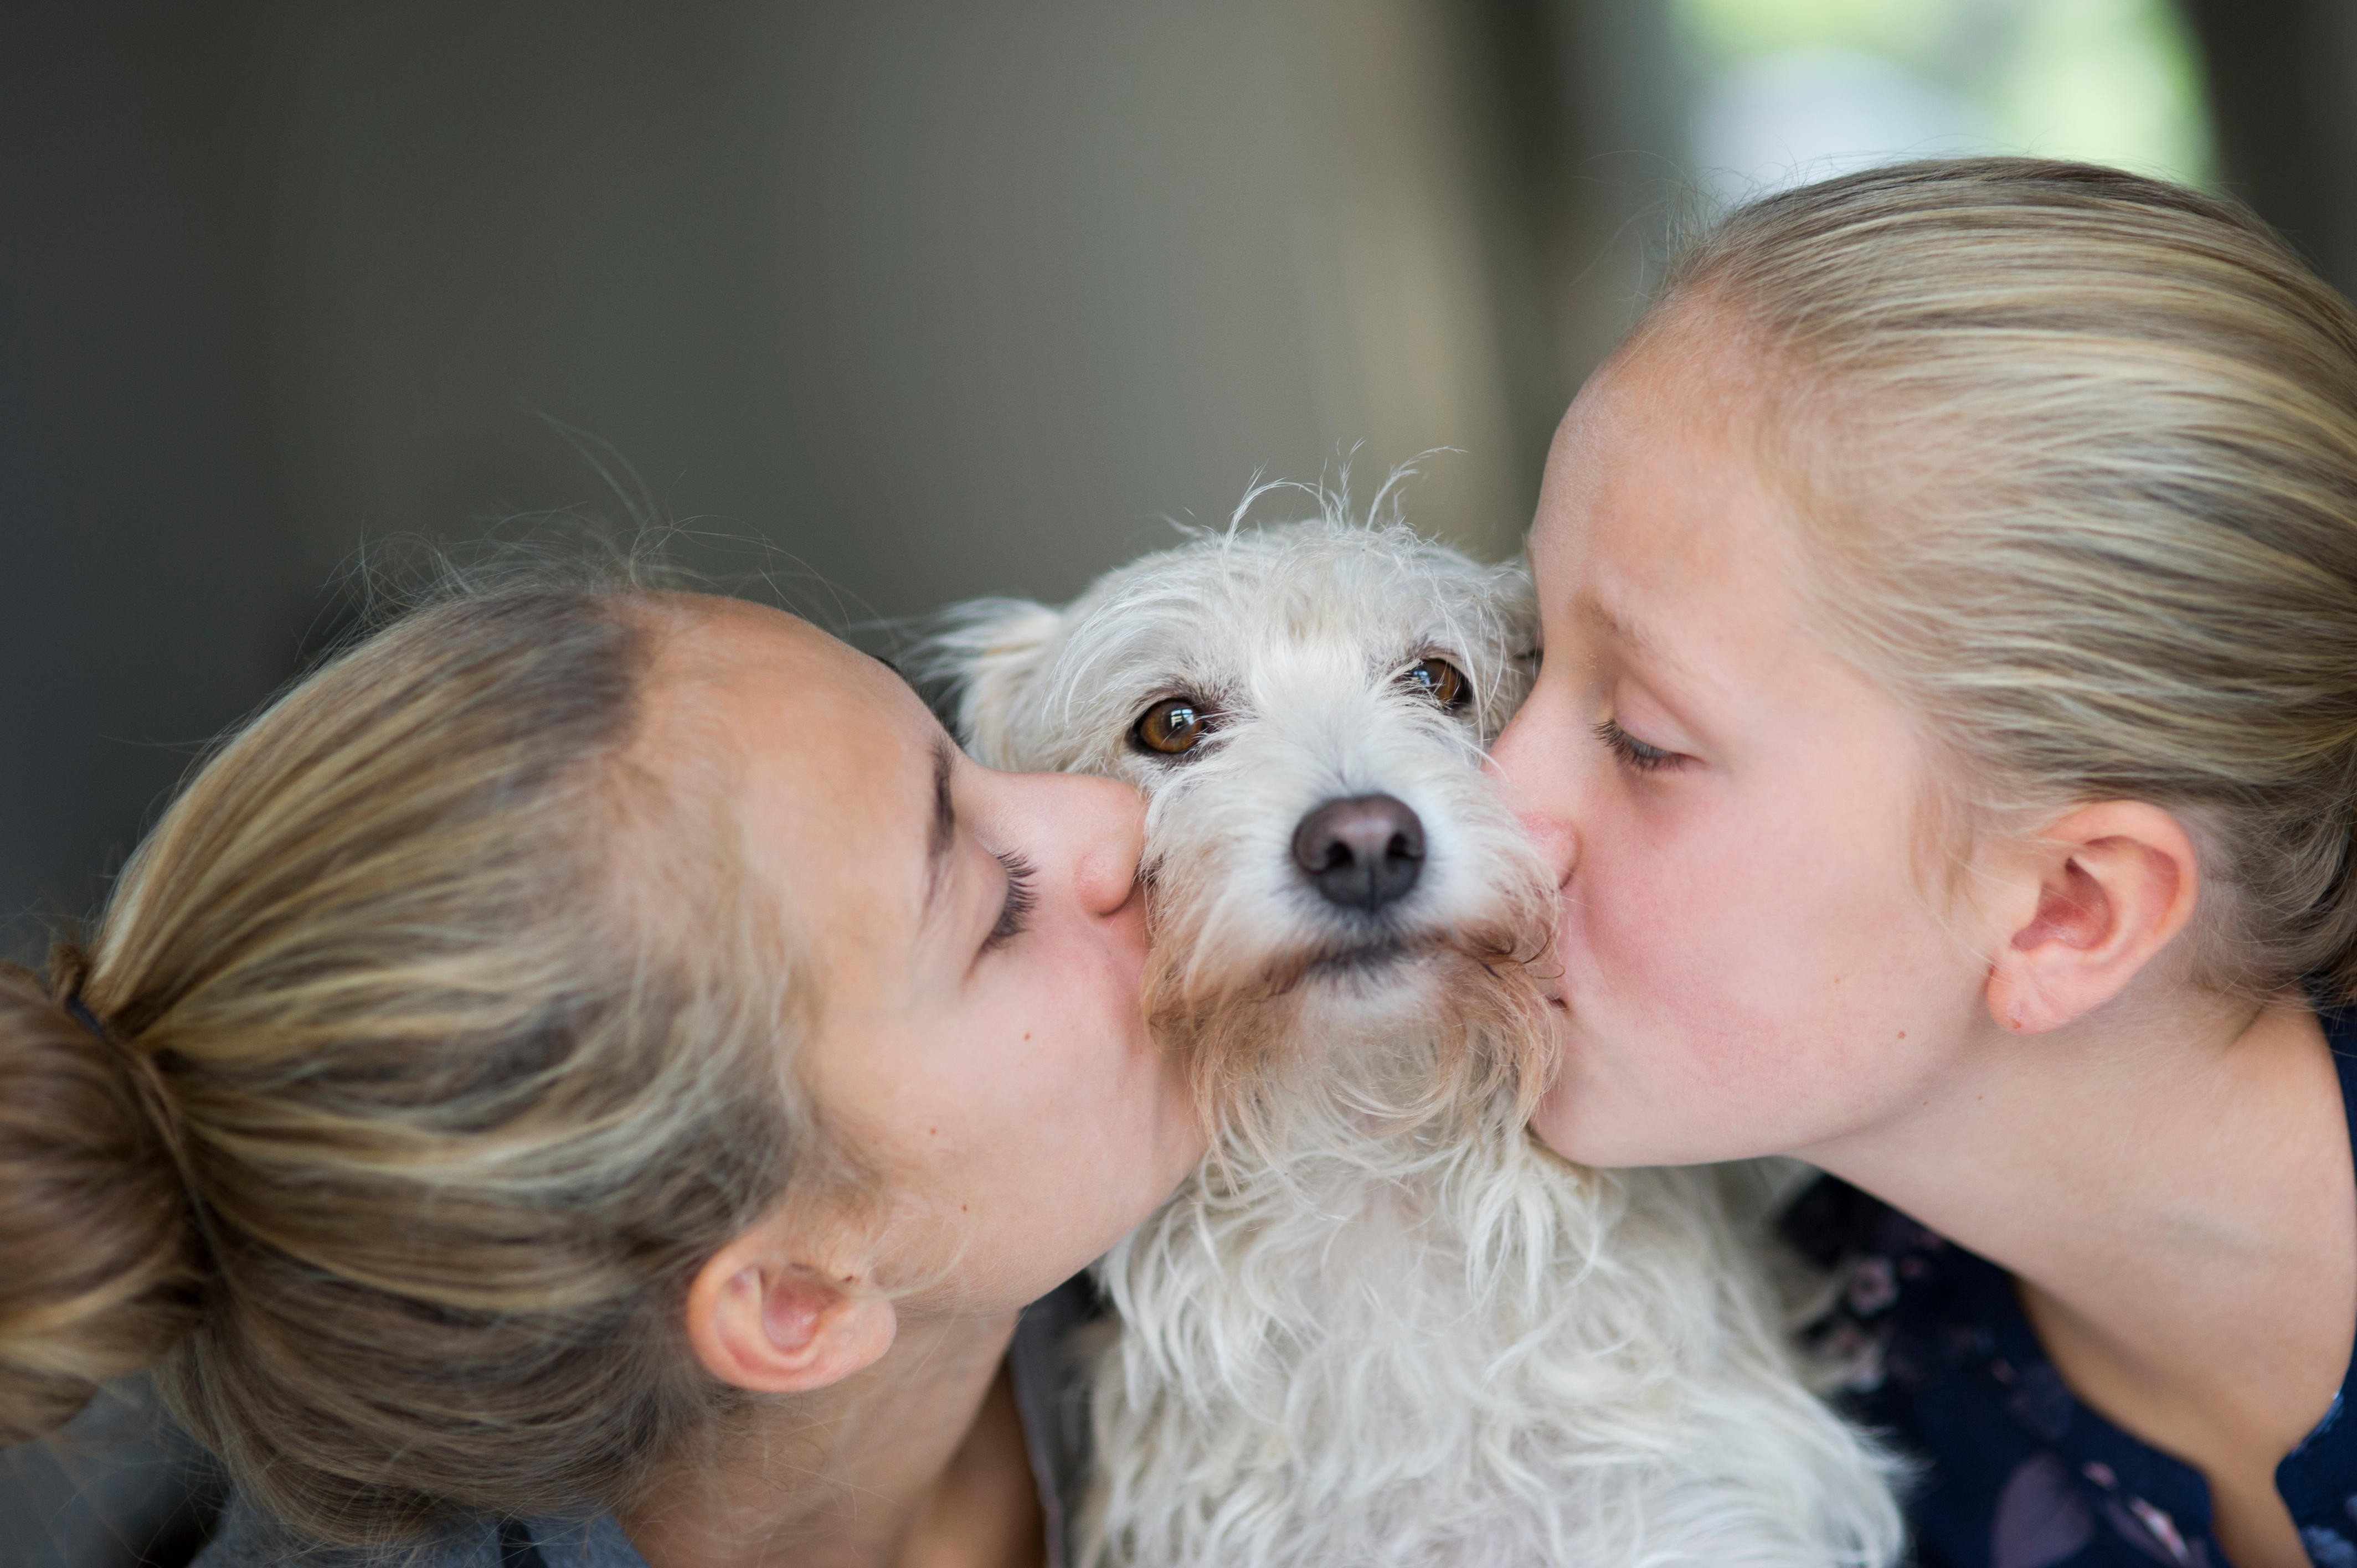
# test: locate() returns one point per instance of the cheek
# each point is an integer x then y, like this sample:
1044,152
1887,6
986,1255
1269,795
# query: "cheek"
1692,920
1747,971
1059,1101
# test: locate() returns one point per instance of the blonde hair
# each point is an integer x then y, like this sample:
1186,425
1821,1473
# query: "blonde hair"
2075,455
408,1113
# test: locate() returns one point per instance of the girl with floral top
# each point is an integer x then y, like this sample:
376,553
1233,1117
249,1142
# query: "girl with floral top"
1947,743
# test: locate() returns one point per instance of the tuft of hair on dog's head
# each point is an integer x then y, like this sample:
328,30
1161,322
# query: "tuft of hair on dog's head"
1013,678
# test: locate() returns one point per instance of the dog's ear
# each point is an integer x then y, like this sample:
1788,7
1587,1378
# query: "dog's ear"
988,656
1515,609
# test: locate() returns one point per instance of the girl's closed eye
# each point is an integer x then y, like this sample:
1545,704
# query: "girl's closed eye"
1638,755
1021,898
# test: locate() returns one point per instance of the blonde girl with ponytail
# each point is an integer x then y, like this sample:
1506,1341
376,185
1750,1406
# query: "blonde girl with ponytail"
587,1076
1947,745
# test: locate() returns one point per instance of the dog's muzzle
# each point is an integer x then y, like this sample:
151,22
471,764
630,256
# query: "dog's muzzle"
1361,852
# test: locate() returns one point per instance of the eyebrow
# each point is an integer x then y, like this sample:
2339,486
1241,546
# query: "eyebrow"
1685,681
944,836
1594,611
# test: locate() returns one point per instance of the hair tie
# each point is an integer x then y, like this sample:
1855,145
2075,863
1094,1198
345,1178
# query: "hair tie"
161,1115
88,1020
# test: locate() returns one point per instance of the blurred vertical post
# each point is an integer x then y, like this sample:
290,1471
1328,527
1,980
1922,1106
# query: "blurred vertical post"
1488,187
2283,87
1611,175
1412,240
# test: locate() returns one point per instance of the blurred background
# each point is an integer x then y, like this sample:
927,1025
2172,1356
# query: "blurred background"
912,301
931,299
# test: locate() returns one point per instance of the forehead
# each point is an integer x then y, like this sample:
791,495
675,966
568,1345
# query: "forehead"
822,756
795,701
1222,602
1656,527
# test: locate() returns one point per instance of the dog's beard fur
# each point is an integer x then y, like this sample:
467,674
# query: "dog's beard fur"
1381,1325
1450,1025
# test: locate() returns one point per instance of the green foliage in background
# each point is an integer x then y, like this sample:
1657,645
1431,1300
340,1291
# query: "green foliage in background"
2114,81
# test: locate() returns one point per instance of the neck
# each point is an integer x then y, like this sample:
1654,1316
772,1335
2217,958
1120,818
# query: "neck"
2168,1181
837,1478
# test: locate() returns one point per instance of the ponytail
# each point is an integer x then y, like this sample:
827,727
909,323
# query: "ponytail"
103,1273
396,1101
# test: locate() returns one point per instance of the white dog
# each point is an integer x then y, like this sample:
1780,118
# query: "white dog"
1382,1325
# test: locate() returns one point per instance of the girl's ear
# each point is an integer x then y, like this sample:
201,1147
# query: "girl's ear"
993,653
2092,900
758,1318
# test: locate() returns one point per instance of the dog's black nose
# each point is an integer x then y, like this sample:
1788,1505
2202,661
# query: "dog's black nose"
1361,852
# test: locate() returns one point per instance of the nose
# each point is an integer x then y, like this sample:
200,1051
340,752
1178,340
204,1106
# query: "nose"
1361,852
1103,824
1532,755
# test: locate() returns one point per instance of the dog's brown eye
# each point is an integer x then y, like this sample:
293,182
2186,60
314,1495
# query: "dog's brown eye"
1440,680
1171,727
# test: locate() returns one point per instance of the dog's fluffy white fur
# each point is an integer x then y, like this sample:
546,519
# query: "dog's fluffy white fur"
1382,1325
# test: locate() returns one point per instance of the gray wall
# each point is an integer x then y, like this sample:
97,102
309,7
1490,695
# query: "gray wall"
930,298
935,299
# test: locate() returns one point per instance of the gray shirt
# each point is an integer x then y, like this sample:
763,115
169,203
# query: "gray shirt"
251,1539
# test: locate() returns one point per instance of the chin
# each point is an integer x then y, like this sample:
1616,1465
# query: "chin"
1590,1131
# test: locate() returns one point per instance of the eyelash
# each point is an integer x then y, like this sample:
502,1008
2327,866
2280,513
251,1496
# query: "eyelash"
1629,749
1021,899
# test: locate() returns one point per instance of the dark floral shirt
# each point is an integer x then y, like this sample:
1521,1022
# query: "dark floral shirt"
2016,1473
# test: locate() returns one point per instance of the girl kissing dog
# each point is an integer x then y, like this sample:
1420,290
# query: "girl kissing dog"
1382,1325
